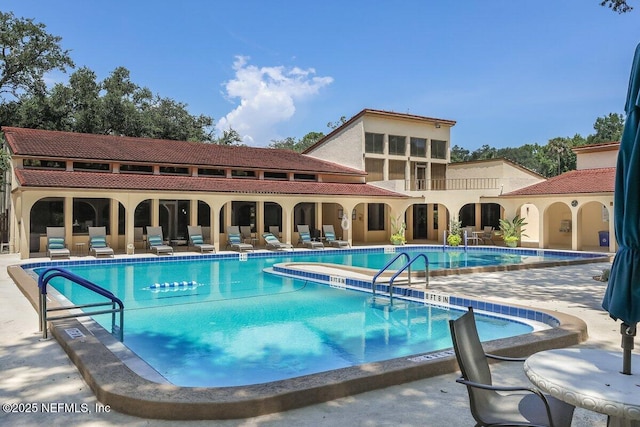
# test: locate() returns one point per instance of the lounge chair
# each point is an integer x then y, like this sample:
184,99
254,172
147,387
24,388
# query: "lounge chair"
275,230
247,235
275,244
98,242
305,238
156,242
196,239
56,246
487,234
330,237
234,240
493,405
138,237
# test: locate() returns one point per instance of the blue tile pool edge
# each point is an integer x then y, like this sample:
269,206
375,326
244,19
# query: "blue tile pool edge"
28,264
116,385
420,295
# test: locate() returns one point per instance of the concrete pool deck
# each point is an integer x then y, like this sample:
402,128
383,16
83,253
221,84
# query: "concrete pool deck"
34,371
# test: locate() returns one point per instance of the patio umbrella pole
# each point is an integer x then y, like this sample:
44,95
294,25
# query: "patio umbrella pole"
628,334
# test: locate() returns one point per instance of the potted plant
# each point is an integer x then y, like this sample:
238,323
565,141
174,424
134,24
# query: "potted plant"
512,231
455,229
398,228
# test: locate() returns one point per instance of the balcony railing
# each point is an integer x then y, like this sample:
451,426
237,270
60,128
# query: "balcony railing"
452,184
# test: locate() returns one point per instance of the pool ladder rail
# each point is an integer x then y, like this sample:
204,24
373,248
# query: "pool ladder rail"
406,266
117,307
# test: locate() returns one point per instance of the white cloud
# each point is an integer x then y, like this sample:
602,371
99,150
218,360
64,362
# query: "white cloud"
266,96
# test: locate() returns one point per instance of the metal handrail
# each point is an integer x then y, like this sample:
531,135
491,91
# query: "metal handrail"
408,265
50,273
383,269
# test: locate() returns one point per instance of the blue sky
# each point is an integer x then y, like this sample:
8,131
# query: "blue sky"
509,72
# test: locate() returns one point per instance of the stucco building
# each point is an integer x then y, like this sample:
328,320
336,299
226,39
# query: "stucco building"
377,166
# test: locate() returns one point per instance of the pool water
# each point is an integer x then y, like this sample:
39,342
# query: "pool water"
229,323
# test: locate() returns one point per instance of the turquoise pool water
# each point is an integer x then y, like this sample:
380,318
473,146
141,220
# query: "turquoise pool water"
228,322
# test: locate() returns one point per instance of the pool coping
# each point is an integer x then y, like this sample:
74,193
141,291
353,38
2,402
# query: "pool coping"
117,385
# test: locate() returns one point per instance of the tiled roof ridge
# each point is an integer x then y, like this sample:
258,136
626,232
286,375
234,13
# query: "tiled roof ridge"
595,180
49,178
75,145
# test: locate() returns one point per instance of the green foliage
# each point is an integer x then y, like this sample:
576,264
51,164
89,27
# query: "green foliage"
619,6
398,228
513,230
553,158
608,128
229,137
28,52
454,238
298,146
114,106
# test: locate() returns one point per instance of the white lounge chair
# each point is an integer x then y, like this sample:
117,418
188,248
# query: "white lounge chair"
56,246
275,244
234,240
305,238
330,237
196,239
156,241
98,242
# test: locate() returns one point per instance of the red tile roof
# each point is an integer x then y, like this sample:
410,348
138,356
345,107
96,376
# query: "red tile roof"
573,182
122,181
79,146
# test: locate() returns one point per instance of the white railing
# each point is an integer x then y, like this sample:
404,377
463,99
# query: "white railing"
447,184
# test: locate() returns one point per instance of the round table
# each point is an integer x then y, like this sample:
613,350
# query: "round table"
589,379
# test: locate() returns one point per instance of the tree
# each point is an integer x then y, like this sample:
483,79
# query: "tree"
608,129
334,125
114,106
459,154
298,146
619,6
27,52
229,137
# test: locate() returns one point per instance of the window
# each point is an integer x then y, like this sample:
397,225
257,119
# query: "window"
374,169
174,170
243,174
211,172
438,149
397,145
49,164
419,147
397,169
136,168
275,175
91,166
376,216
374,143
304,177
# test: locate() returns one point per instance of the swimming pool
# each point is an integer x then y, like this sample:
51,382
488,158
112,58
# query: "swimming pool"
228,323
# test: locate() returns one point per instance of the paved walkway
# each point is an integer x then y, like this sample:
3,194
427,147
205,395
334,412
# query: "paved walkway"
36,372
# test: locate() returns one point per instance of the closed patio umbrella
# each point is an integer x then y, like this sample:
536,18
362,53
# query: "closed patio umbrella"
622,297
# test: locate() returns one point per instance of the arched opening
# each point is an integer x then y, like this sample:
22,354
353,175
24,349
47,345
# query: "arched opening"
272,216
593,223
558,226
47,212
305,214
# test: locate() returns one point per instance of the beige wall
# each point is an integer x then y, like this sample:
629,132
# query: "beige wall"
510,177
348,149
597,159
